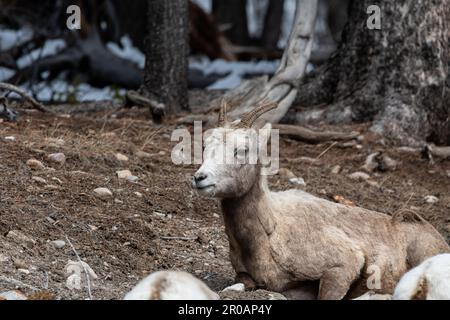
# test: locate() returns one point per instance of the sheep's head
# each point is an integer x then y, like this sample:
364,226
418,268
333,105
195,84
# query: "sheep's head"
231,155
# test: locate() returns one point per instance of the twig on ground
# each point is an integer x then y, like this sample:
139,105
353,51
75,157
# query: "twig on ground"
308,135
34,103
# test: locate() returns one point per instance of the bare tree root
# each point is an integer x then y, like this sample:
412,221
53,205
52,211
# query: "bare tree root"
438,152
37,105
305,134
282,88
155,107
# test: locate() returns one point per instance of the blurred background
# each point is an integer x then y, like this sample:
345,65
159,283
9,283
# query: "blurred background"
229,40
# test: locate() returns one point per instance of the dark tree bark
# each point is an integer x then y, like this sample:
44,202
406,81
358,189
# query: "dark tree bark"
233,15
272,24
166,50
396,77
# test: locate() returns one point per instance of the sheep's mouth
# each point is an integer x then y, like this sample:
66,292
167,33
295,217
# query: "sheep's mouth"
205,187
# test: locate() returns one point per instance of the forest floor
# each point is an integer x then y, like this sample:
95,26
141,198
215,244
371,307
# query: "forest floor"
159,222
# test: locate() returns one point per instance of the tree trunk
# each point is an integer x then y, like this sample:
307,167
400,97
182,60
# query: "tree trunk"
396,77
166,50
272,24
232,14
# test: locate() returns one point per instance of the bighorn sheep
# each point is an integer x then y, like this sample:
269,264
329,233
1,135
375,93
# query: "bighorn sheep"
171,285
286,241
430,280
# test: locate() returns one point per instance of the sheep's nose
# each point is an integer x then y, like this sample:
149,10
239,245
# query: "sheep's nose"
200,177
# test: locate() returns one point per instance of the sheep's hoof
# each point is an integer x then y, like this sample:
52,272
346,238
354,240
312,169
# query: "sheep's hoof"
247,280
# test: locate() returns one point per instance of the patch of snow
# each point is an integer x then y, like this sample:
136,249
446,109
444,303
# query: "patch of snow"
128,51
60,91
10,38
50,48
206,5
6,73
235,70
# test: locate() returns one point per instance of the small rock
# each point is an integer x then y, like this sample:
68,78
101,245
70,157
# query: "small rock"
3,258
371,162
118,201
103,192
108,135
121,157
132,178
12,295
19,263
34,164
143,155
373,183
431,199
298,181
286,173
162,153
138,194
239,287
24,271
55,142
387,163
123,174
57,180
93,228
448,173
348,144
19,237
75,271
51,187
359,176
77,173
39,180
58,244
59,158
276,296
336,169
10,138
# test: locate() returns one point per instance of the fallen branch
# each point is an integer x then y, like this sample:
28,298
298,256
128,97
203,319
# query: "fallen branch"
305,134
156,108
440,152
34,103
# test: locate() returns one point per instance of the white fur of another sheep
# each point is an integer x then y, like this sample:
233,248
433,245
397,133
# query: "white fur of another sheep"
430,280
171,285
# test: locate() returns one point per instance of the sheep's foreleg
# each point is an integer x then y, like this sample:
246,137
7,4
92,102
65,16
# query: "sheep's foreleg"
247,280
336,282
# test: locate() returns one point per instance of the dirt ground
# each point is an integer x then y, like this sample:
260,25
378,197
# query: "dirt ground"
158,222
